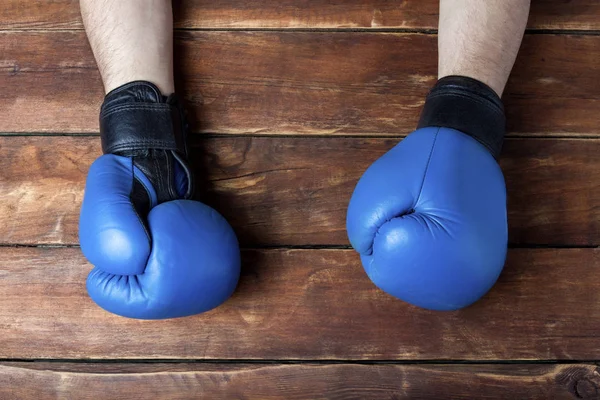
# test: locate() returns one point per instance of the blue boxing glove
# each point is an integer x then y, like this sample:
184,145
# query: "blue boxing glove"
429,217
157,254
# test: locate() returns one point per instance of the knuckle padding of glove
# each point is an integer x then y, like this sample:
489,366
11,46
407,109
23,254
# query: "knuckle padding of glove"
469,106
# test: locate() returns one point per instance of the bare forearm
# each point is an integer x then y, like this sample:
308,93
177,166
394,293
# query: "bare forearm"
131,40
480,39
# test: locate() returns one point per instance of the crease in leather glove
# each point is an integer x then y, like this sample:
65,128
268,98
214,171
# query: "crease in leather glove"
157,254
429,217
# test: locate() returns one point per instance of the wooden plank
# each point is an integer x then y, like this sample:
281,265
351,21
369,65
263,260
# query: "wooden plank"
284,14
305,381
295,191
308,304
310,83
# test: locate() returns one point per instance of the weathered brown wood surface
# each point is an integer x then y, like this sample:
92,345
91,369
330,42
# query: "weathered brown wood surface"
295,191
281,14
301,110
308,305
308,83
45,381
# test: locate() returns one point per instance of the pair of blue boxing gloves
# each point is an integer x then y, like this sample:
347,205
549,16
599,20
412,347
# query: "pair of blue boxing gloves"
428,218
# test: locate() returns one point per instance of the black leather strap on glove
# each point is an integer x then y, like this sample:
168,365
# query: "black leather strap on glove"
469,106
138,122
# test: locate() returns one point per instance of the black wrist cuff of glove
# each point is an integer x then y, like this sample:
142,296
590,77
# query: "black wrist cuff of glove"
467,105
136,116
137,121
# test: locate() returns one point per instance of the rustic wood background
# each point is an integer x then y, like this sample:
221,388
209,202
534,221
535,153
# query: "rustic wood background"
290,101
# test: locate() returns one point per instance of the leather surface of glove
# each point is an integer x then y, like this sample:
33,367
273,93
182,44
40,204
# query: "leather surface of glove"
429,217
156,252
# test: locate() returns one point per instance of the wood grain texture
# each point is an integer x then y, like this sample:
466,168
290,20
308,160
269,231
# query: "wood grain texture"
309,83
308,305
21,381
282,14
295,191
